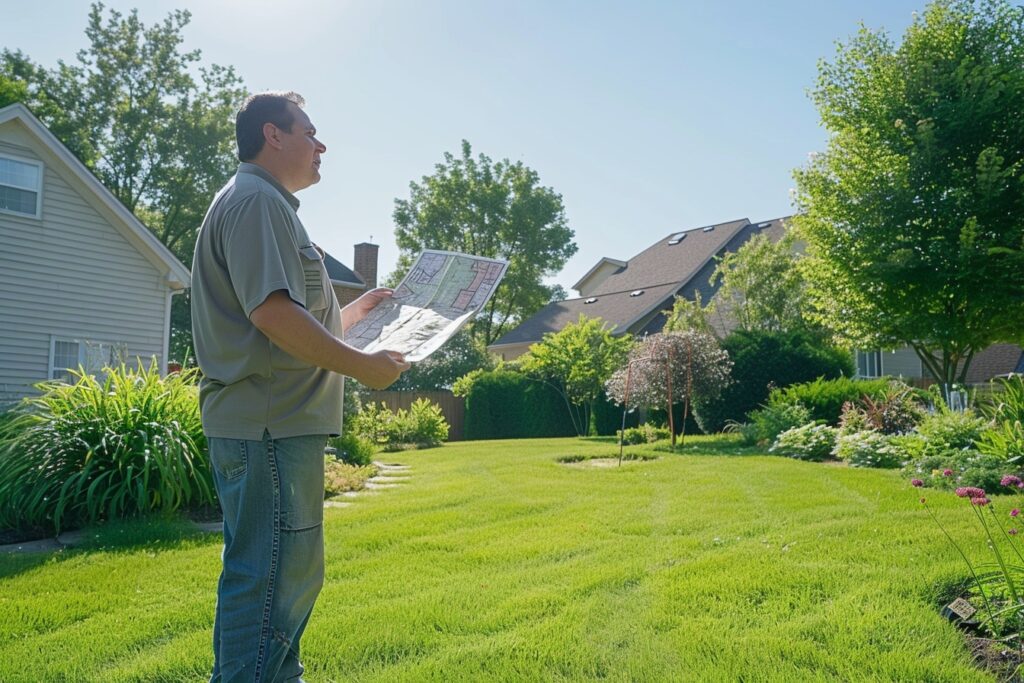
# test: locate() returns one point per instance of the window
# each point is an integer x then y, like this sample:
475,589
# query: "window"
21,183
591,300
869,363
676,238
68,354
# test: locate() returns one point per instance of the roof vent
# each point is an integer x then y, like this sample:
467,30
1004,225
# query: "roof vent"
708,229
636,292
591,300
763,225
677,238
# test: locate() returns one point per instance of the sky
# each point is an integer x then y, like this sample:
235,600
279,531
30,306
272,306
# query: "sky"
646,117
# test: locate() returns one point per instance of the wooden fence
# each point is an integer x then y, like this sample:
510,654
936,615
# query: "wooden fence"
453,407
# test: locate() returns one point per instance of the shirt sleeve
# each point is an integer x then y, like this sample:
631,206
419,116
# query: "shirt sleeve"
261,253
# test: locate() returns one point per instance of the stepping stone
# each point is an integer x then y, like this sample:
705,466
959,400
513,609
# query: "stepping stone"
388,479
370,484
43,545
336,504
396,467
210,527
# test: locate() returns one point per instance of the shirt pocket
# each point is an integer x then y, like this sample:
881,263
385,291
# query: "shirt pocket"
312,272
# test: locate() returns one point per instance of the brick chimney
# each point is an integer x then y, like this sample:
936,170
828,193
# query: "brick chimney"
365,263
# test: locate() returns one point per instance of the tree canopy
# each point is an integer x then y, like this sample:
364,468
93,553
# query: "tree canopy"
577,360
914,215
498,210
152,122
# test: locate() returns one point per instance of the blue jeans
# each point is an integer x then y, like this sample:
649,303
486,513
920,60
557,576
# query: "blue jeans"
272,495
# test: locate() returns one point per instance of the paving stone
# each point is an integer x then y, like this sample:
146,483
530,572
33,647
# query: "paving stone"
337,504
370,484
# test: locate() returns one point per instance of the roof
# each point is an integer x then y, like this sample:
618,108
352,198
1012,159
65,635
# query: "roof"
660,271
178,276
610,261
341,274
995,361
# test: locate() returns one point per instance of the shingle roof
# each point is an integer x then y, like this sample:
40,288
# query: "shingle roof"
661,270
340,273
995,361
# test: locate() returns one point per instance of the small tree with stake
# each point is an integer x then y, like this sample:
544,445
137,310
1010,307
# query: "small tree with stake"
664,368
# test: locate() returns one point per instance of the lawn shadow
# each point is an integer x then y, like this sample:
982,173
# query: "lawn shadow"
707,445
155,534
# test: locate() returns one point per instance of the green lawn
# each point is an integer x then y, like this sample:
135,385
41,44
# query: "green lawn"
495,562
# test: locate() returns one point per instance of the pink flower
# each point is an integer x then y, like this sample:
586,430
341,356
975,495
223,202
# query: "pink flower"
1014,512
1012,532
980,501
970,492
947,473
917,483
1010,480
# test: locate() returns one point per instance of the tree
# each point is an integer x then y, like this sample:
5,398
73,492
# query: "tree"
762,286
459,356
668,368
153,123
497,210
914,216
689,314
577,361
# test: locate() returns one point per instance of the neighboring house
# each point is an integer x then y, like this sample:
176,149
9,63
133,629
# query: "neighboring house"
635,296
350,283
82,281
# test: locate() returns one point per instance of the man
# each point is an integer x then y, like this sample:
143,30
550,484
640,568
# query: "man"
267,330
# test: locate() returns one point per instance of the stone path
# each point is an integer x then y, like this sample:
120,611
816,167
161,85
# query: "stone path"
389,476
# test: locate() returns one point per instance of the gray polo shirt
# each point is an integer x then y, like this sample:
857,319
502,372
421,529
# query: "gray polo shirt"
252,243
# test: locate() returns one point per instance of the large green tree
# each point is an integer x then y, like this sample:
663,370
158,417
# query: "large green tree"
152,122
498,210
914,215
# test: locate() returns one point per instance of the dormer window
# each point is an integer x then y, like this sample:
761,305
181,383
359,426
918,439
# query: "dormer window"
21,184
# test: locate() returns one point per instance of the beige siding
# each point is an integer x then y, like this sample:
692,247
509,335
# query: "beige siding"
597,278
901,363
70,274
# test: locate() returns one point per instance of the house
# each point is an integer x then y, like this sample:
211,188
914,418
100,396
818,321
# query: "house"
634,296
82,281
350,283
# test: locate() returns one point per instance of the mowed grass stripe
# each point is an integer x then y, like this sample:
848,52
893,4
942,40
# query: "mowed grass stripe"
495,562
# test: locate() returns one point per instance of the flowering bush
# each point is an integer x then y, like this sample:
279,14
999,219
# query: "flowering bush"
809,442
961,468
852,419
866,449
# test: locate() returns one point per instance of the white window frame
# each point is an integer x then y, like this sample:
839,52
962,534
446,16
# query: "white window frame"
38,189
82,344
874,355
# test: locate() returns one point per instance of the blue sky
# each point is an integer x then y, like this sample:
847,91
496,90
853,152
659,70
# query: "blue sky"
647,117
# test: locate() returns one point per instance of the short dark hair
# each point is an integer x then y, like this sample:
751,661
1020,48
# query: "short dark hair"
258,109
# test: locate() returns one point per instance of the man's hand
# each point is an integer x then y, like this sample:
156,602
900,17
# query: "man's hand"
358,309
383,368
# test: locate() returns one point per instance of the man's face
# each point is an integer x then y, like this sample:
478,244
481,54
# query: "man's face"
300,151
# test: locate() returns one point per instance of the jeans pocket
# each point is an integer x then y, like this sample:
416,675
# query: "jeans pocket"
228,457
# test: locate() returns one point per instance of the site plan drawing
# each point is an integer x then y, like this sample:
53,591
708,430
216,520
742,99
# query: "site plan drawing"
441,291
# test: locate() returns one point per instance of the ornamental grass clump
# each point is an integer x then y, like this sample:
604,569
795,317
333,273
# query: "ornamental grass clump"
89,451
997,584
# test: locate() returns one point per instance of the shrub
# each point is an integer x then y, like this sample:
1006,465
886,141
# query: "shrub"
353,449
340,477
867,449
645,433
506,404
776,417
893,411
825,398
1005,438
854,419
948,432
808,442
422,426
762,360
956,469
88,451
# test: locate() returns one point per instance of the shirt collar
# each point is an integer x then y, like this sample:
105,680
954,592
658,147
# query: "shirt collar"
259,171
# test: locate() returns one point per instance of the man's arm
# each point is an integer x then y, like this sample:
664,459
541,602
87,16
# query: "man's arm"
293,329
